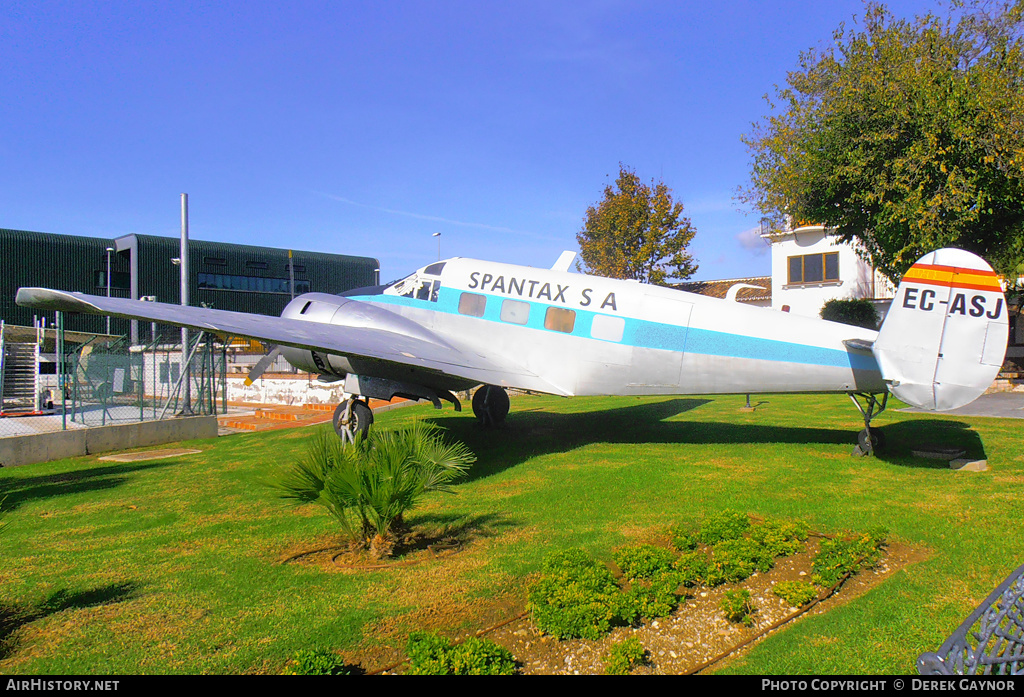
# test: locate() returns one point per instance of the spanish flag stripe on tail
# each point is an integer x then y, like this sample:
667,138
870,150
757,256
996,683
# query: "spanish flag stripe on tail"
953,277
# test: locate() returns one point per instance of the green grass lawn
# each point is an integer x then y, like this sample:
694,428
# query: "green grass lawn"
174,566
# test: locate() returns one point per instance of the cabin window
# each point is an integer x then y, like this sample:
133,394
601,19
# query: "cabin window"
607,328
472,304
814,268
434,269
515,311
423,292
560,320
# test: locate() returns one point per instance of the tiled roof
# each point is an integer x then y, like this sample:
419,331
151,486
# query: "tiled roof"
718,289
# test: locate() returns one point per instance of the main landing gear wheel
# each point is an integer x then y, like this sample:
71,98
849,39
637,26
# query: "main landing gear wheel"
490,405
352,419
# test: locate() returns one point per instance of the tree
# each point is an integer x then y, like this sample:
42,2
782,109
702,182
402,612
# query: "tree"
905,137
637,232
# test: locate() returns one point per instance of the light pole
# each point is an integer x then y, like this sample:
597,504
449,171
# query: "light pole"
438,236
185,280
109,250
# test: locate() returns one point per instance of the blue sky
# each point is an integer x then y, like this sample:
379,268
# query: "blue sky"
365,127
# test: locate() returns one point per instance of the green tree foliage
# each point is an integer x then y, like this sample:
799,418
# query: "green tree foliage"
369,485
904,136
858,312
637,232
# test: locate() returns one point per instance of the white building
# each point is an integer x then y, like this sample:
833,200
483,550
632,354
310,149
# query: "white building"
810,268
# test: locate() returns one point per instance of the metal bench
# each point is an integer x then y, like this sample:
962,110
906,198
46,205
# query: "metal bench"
990,641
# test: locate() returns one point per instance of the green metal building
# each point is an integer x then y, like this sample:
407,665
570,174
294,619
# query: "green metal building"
225,276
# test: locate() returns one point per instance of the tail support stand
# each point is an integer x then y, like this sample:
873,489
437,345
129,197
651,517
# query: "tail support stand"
868,441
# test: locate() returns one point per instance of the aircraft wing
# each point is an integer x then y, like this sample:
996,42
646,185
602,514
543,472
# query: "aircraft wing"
425,350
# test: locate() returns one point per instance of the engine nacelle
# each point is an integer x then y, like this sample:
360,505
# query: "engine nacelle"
344,312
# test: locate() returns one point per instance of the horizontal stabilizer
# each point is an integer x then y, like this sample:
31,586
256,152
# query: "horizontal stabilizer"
944,338
858,344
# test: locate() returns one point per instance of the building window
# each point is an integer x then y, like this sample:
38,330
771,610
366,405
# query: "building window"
560,320
814,268
515,311
119,280
215,261
472,304
255,264
252,284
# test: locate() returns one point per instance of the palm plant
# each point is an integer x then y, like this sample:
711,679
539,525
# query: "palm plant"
370,484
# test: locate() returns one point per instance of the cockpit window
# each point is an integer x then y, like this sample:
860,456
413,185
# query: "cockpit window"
422,285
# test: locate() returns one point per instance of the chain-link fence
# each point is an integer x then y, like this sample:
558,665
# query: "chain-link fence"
54,380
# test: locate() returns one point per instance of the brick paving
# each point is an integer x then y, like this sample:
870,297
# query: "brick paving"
270,417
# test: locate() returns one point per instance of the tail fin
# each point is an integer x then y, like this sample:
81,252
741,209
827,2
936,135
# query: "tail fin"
944,339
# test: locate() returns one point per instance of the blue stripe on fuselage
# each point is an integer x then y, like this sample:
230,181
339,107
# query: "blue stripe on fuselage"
654,335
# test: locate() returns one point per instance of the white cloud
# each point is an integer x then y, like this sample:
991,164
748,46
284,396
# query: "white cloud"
750,240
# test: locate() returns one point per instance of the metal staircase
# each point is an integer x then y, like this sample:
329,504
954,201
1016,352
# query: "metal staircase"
19,376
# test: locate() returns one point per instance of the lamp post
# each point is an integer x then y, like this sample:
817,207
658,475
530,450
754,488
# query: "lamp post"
185,279
109,250
438,236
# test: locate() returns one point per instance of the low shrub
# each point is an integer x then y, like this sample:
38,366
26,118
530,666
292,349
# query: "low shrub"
780,538
576,597
431,654
692,568
841,556
737,607
683,537
317,662
735,560
650,598
624,656
643,561
796,593
858,312
726,525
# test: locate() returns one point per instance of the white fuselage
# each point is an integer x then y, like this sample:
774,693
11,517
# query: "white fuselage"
589,335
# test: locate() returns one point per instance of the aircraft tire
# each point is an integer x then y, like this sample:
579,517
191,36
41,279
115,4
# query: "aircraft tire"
871,441
362,418
490,405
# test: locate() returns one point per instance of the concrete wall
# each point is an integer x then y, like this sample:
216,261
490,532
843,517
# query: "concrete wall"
43,447
300,389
